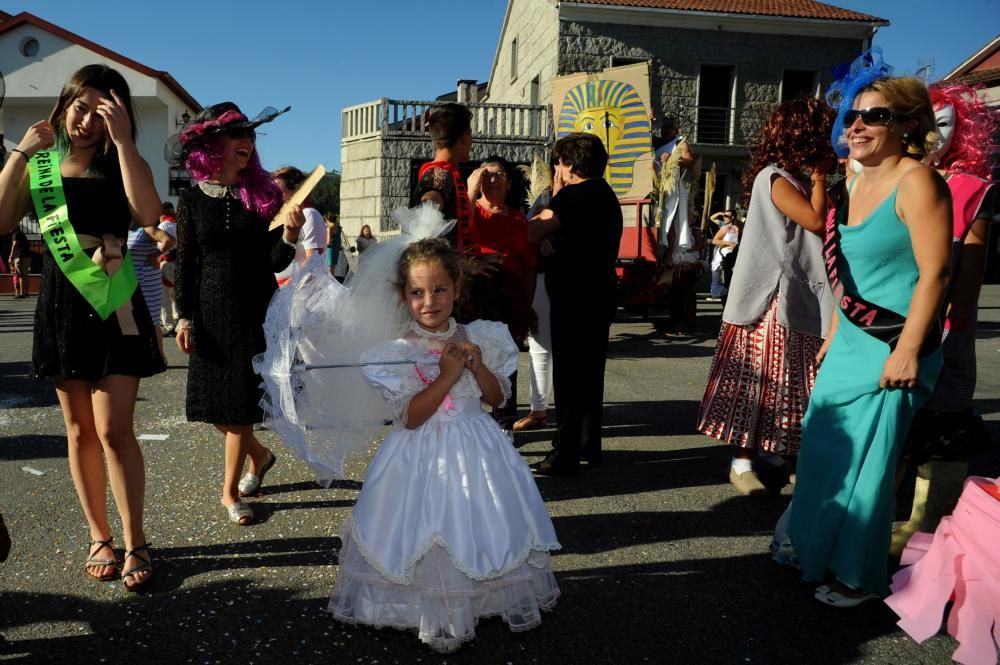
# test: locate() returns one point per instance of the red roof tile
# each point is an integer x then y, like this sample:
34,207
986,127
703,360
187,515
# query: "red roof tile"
790,8
985,76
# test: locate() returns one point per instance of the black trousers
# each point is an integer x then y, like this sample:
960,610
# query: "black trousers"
579,354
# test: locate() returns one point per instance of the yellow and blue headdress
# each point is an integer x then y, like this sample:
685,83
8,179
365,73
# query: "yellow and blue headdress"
614,112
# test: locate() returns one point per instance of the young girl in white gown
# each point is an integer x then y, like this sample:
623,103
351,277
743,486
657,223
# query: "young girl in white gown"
449,525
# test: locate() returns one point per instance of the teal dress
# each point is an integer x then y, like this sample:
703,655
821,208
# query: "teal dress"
852,433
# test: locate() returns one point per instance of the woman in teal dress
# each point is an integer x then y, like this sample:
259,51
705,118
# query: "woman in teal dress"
882,355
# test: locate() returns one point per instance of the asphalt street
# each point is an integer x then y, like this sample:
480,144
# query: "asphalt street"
662,562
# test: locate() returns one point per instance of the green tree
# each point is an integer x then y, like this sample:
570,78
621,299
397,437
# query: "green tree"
326,195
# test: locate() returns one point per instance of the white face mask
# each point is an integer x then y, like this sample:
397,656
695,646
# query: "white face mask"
945,119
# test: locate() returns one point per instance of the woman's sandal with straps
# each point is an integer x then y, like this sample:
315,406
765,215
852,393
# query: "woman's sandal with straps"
93,562
145,564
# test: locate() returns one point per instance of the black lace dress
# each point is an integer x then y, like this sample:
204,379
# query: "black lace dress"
71,340
226,260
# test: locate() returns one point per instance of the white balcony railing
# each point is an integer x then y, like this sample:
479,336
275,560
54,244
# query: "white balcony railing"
401,117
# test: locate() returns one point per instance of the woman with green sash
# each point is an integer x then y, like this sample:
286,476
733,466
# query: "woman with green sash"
83,175
887,254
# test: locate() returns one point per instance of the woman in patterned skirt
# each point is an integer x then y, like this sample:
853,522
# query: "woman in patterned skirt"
779,304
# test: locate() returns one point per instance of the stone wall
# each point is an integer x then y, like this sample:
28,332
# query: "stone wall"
360,184
376,174
535,24
402,152
759,60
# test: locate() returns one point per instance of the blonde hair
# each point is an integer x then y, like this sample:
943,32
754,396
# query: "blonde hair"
908,97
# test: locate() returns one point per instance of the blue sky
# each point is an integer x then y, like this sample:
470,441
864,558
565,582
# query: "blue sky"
320,56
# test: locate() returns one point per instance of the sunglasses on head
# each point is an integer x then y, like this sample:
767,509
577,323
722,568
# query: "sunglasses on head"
876,116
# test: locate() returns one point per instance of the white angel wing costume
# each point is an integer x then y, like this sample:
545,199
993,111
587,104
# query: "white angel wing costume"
327,414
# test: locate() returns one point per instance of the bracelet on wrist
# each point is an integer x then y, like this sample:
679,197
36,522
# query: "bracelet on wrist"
22,153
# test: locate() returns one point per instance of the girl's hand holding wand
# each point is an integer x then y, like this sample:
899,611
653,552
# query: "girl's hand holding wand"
453,362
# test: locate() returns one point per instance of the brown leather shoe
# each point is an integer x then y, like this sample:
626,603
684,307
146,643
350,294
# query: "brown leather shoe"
534,420
747,483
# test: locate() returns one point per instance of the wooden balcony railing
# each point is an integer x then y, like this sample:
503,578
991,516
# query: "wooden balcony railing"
401,117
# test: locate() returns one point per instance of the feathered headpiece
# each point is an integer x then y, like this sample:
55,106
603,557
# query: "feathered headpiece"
865,70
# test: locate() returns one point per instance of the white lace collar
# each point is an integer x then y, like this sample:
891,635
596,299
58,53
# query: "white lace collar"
427,334
217,191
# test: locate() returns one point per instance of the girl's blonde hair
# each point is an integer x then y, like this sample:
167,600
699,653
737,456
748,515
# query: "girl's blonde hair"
908,97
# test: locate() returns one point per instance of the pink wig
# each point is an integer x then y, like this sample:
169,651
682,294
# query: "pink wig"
258,192
975,126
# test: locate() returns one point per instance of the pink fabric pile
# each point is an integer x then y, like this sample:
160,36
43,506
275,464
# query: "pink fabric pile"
960,561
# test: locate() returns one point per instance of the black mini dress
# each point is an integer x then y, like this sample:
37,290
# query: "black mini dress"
71,340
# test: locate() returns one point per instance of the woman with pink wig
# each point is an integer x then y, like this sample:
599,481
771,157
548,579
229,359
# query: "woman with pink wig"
948,431
226,260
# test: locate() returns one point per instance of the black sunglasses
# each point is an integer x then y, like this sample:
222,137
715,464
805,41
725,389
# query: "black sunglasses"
877,116
242,133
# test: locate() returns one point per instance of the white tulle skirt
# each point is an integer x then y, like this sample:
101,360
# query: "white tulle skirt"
449,527
441,603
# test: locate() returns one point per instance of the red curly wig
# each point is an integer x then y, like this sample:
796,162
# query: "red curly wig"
975,126
796,135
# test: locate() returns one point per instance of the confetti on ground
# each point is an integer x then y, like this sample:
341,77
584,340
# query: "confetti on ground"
154,437
32,470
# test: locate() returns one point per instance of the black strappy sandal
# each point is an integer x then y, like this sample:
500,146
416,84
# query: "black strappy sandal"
91,561
144,565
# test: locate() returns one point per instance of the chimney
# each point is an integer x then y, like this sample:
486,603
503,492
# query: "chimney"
468,91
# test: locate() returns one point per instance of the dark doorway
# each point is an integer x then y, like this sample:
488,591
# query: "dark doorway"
715,94
797,83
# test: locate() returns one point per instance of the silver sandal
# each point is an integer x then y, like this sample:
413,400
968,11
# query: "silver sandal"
250,483
238,511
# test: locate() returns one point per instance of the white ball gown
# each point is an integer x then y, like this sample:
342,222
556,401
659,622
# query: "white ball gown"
449,526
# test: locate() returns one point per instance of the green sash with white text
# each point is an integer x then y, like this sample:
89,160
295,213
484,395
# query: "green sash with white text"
105,293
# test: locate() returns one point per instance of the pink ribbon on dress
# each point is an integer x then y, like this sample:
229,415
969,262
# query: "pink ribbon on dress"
448,403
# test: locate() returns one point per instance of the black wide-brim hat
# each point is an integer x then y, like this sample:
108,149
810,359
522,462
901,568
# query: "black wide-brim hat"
212,121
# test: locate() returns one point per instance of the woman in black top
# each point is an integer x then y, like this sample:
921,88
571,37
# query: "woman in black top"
226,260
96,362
584,226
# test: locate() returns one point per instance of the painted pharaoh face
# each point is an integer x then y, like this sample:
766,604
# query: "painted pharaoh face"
613,112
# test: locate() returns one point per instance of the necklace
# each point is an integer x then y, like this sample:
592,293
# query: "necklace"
430,334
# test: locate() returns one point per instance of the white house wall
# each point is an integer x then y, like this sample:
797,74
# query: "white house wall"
33,85
535,24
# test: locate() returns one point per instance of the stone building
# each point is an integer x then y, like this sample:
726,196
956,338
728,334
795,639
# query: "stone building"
718,66
384,142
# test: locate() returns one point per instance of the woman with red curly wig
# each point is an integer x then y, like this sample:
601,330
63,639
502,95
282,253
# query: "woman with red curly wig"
779,305
948,431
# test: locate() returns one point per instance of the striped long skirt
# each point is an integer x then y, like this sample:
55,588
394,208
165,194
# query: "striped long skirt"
759,385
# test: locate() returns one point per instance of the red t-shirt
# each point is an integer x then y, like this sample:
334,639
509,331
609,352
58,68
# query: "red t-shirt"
506,234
